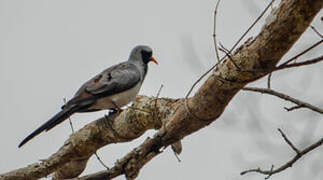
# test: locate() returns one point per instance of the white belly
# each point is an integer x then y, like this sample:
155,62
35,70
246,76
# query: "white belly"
121,99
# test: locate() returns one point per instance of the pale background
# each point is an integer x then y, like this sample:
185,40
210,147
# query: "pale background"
49,48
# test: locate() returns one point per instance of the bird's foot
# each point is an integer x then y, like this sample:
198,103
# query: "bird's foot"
117,110
113,111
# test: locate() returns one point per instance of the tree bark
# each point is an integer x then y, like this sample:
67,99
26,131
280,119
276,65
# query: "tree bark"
182,117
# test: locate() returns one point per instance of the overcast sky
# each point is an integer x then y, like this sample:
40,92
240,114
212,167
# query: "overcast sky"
49,48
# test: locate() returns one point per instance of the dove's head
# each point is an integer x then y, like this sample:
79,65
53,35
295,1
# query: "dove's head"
143,54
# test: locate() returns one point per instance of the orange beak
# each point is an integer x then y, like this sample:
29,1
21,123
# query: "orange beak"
153,60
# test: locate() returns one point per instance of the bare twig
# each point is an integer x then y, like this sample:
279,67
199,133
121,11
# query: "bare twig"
271,170
200,78
316,31
156,99
214,32
227,53
287,164
293,108
307,62
159,90
156,116
300,54
233,47
69,119
136,158
176,155
252,25
100,160
155,111
285,97
96,154
288,141
281,67
268,80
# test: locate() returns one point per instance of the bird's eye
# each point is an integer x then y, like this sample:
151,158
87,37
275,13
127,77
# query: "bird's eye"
146,53
146,56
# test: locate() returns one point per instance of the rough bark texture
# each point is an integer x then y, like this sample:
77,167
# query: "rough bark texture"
178,118
81,145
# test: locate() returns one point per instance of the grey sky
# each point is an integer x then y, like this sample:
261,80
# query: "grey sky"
49,48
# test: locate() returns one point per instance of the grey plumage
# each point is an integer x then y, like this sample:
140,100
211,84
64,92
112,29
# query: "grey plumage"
111,89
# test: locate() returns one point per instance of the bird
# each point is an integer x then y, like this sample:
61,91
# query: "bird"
112,89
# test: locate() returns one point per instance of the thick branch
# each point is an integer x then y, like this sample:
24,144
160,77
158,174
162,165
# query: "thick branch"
283,28
81,145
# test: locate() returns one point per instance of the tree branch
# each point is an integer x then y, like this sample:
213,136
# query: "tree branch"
287,65
301,104
70,160
301,53
288,141
307,62
316,31
288,164
283,28
214,32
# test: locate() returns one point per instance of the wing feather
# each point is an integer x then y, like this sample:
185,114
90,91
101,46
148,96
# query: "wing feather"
113,80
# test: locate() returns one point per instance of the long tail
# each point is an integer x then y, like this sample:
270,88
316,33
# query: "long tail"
58,118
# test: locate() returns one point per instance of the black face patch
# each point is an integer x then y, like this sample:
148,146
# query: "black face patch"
146,55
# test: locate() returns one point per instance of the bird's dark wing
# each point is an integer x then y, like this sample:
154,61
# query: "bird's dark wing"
113,80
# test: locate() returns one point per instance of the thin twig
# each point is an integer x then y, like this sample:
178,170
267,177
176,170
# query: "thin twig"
159,90
252,25
308,62
281,67
287,65
214,32
72,128
175,153
233,47
268,80
287,164
285,97
100,160
288,141
302,53
69,118
200,78
316,31
156,116
157,96
227,52
293,108
271,170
